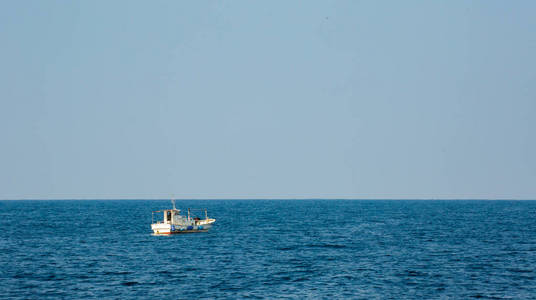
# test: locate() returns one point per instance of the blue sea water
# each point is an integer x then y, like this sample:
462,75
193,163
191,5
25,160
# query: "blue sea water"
270,249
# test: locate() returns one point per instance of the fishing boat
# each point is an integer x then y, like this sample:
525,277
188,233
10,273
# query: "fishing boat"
173,222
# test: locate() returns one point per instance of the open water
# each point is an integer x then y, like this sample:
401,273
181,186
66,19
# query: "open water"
270,249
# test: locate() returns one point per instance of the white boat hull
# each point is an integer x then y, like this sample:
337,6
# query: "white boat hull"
163,228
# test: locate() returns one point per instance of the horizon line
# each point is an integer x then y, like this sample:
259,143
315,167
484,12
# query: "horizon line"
294,199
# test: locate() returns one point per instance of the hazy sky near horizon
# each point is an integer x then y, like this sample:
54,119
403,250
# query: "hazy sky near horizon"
271,99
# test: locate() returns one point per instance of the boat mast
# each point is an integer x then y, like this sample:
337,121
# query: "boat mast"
188,214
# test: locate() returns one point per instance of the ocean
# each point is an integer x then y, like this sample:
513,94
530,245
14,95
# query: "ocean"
276,249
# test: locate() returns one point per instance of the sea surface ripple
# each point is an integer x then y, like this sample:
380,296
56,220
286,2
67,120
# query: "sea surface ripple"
271,249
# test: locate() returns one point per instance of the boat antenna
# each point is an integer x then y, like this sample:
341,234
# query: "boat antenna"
173,202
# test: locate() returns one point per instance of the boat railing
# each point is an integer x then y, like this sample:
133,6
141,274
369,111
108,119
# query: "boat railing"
193,216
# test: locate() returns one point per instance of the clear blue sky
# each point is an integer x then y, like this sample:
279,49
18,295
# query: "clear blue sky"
272,99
